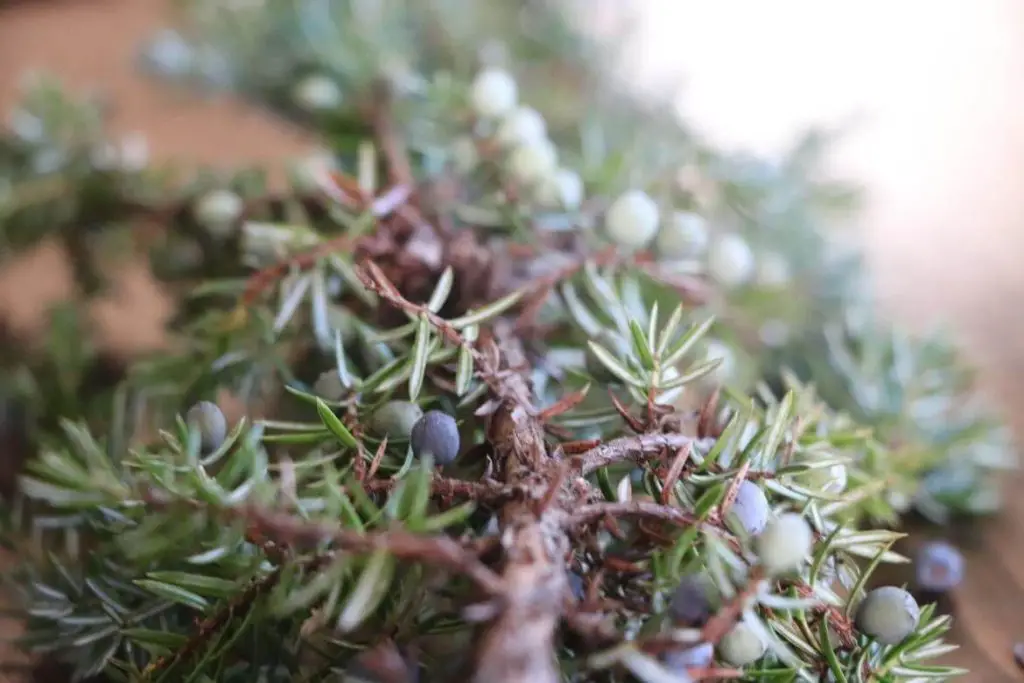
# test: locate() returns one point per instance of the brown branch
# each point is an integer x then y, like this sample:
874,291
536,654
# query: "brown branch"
636,448
286,529
586,514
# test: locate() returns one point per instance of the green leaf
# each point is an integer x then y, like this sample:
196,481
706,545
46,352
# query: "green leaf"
173,593
335,426
441,291
369,591
488,312
204,585
420,356
614,366
641,345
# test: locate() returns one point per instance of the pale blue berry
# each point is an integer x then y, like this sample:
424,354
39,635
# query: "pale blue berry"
208,420
731,261
750,510
888,614
685,234
698,656
940,567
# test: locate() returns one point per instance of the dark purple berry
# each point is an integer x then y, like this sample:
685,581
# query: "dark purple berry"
940,567
436,434
690,604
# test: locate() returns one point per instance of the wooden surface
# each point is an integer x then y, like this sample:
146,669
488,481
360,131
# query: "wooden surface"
973,294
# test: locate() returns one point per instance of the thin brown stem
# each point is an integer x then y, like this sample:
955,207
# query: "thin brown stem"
587,514
636,448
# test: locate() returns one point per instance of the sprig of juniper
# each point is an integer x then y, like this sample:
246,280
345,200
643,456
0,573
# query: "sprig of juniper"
428,262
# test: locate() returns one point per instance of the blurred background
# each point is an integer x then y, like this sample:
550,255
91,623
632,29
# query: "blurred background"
929,88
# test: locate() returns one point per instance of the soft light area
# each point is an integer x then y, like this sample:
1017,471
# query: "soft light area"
934,85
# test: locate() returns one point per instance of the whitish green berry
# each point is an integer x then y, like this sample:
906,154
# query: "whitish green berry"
563,189
741,646
328,385
522,126
494,92
436,434
684,234
532,162
632,219
784,544
888,614
750,510
396,419
730,261
207,419
218,211
316,93
697,656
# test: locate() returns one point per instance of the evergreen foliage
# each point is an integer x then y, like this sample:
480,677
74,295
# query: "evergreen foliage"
616,393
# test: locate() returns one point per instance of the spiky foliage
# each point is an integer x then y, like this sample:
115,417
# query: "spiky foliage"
420,261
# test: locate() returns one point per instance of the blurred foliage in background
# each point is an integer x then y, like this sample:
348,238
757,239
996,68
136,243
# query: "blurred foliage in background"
724,271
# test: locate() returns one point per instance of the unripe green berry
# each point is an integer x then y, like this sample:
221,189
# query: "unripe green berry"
328,385
493,93
218,211
685,234
888,614
530,163
207,419
316,93
750,510
522,126
741,646
784,544
632,219
396,419
563,189
436,434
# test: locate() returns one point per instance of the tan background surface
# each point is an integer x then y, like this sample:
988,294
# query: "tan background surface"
943,154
